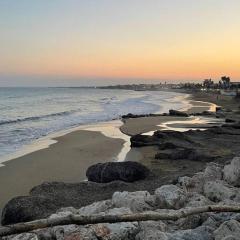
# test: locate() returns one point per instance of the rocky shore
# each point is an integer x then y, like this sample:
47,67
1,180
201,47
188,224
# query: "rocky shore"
187,169
216,185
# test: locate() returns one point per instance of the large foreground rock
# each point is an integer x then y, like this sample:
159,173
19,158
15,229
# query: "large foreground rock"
170,196
112,171
228,230
47,198
220,191
137,201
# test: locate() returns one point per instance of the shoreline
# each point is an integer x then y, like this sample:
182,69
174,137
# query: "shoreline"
47,141
65,161
64,156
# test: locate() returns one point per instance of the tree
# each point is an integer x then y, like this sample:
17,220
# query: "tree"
225,82
208,83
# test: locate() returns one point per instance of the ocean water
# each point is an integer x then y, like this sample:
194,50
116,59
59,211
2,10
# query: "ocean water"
27,114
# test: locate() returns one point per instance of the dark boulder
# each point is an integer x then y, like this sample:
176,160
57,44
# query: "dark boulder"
112,171
26,208
177,113
205,113
229,120
48,197
131,115
143,140
208,113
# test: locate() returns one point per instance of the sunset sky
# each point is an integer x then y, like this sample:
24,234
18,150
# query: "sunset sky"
87,42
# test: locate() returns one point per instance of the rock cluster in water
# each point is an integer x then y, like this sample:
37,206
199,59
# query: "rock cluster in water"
217,184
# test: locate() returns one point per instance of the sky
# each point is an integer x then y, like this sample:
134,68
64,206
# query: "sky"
98,42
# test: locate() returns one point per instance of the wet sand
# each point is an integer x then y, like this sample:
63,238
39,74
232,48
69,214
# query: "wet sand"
146,155
133,126
66,161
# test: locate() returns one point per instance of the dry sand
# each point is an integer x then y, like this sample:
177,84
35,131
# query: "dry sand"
66,160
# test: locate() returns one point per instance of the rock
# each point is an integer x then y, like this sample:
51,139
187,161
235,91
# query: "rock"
192,184
152,235
112,171
95,208
190,222
211,222
170,197
228,230
177,113
167,145
219,190
184,153
213,171
72,232
118,211
143,140
208,113
131,115
152,230
229,120
23,236
200,233
137,201
116,231
24,209
205,113
197,200
232,172
47,198
196,183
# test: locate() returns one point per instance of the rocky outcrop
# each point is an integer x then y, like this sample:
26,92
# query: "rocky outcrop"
186,154
113,171
131,115
212,144
47,198
57,195
177,113
187,193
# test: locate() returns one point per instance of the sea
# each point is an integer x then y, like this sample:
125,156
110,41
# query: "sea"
28,114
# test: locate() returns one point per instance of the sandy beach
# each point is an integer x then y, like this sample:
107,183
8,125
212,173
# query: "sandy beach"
65,161
68,159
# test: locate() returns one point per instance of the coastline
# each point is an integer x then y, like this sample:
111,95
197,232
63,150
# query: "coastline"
47,141
65,156
65,161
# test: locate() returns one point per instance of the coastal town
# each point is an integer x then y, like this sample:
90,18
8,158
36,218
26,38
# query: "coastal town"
224,86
